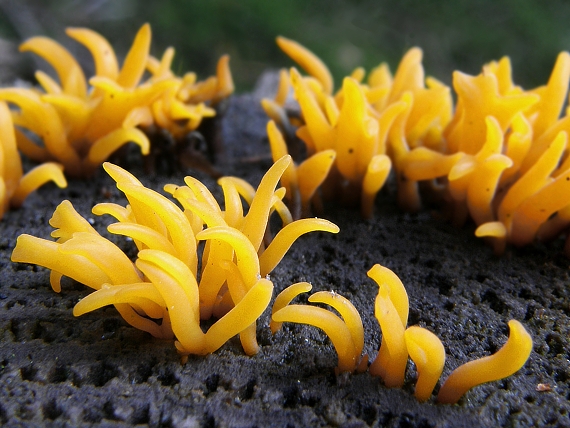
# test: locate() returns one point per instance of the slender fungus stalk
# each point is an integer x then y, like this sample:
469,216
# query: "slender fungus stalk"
505,362
428,354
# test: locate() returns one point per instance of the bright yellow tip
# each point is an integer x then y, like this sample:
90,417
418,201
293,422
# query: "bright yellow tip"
308,62
135,62
105,61
505,362
428,354
35,178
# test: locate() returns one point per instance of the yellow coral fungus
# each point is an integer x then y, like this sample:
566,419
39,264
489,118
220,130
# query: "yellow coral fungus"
160,292
81,127
506,361
346,332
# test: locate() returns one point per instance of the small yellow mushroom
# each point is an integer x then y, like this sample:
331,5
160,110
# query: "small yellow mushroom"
428,354
505,362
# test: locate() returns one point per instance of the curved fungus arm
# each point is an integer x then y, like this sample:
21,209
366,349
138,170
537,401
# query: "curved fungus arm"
312,173
428,354
376,175
120,213
256,219
105,146
308,61
36,178
233,208
244,314
331,324
143,294
284,298
106,64
505,362
397,292
348,313
287,236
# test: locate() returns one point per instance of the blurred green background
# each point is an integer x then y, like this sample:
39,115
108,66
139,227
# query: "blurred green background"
460,34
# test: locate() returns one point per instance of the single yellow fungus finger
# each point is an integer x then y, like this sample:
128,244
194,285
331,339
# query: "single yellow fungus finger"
376,175
426,164
245,190
275,112
104,254
46,82
409,76
135,62
115,210
55,280
278,150
244,314
256,219
149,237
284,298
105,146
533,180
41,252
213,278
143,294
397,292
233,208
247,260
308,61
70,74
185,324
36,178
312,173
428,354
505,362
103,54
552,99
392,358
283,88
518,144
348,313
287,236
319,128
224,77
67,221
332,325
497,234
166,63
